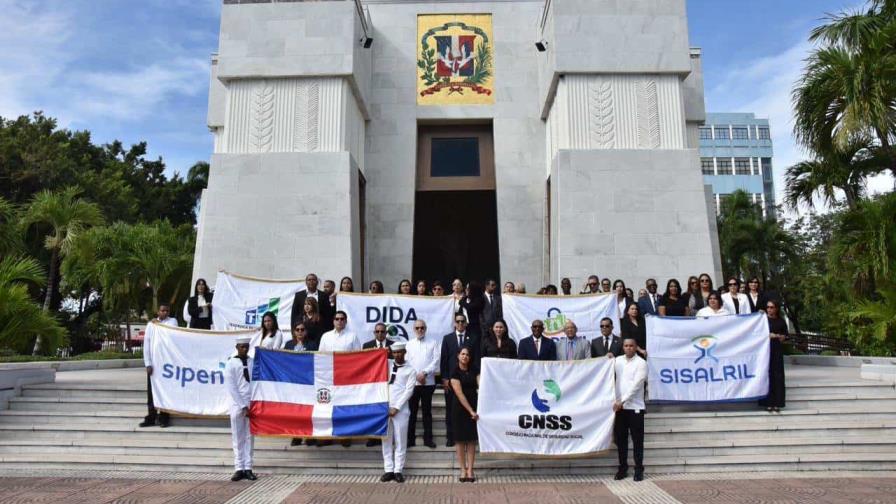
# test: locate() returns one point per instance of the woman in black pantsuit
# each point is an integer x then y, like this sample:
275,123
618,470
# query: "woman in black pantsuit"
777,329
464,382
200,306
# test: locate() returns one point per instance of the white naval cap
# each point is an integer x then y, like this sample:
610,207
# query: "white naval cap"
243,340
398,345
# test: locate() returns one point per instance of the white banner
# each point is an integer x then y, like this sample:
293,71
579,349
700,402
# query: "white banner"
240,302
708,359
586,311
398,312
188,367
546,407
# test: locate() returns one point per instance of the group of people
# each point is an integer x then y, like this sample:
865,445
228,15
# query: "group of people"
451,361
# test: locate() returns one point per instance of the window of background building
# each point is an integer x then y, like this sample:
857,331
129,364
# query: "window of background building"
766,168
722,133
705,133
706,165
722,199
740,133
724,166
742,166
763,133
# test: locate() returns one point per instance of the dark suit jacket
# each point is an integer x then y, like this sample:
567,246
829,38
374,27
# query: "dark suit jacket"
193,309
597,346
448,359
646,307
372,344
526,349
323,306
491,312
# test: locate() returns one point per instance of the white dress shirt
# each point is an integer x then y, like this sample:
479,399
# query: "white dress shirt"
423,355
706,311
631,374
334,341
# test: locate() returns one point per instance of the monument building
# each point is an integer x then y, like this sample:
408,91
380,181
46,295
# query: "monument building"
523,140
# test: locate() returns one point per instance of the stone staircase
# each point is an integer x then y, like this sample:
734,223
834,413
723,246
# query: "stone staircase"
88,420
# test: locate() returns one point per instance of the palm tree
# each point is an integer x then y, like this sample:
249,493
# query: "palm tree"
848,89
845,169
880,313
20,318
66,216
10,236
750,244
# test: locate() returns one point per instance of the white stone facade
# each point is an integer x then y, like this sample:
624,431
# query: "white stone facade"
300,112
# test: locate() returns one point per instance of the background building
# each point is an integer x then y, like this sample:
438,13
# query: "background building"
524,140
736,153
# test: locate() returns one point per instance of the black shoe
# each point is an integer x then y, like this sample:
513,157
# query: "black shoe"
639,476
373,442
429,444
310,442
411,443
147,423
347,443
238,476
387,477
164,425
295,442
621,474
399,478
449,444
250,475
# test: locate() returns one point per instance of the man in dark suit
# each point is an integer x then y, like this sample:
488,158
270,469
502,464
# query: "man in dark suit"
649,303
451,345
536,346
606,343
493,309
327,311
379,341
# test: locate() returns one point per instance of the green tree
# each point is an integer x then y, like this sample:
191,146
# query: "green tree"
843,169
749,243
848,87
60,217
10,235
21,319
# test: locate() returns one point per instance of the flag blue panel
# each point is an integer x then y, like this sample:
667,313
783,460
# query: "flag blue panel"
287,367
361,419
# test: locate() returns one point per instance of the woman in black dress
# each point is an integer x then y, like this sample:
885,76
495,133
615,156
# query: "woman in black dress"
314,329
497,343
755,295
465,382
673,303
777,329
472,304
200,306
632,326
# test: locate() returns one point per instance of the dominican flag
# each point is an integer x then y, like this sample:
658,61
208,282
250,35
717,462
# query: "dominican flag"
323,395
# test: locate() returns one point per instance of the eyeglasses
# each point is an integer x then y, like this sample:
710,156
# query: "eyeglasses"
338,318
605,325
379,331
460,321
419,328
732,285
704,280
537,327
300,329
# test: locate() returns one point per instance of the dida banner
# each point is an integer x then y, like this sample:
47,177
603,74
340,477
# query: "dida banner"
398,312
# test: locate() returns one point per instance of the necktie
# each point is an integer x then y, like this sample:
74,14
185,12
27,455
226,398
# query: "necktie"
460,340
394,372
568,348
245,362
607,343
653,301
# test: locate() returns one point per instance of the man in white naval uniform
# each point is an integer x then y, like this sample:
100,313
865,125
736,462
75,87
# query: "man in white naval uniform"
402,379
237,375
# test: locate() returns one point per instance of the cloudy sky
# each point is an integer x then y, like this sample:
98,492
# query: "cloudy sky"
138,70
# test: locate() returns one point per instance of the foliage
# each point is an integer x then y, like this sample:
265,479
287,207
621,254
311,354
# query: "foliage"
10,236
80,357
21,319
482,68
427,63
750,244
843,169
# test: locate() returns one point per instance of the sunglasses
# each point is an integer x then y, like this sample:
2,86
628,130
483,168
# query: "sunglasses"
538,327
419,328
732,285
379,331
605,325
299,328
338,318
704,280
460,321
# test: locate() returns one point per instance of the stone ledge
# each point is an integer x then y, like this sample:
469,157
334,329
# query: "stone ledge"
839,361
74,365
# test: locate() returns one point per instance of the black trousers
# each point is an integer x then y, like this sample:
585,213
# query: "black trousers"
151,413
422,393
628,422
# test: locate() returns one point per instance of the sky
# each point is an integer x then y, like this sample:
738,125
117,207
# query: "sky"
138,70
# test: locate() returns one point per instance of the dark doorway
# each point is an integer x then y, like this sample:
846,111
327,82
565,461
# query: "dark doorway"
455,235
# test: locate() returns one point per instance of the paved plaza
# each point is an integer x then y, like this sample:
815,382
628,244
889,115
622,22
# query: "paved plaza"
73,487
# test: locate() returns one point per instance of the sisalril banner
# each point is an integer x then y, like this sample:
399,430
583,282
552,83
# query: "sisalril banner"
188,367
240,301
585,310
708,359
398,312
552,408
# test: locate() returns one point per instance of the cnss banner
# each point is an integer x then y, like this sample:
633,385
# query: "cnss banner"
240,302
586,311
708,359
188,368
546,407
398,312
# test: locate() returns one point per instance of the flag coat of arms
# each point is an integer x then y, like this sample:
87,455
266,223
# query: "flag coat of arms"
455,64
317,394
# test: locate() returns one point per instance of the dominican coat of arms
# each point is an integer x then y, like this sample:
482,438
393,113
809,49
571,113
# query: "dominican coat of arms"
454,59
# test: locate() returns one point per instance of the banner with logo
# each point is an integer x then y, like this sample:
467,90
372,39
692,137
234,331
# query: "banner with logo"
188,367
586,311
240,302
707,359
398,312
546,407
